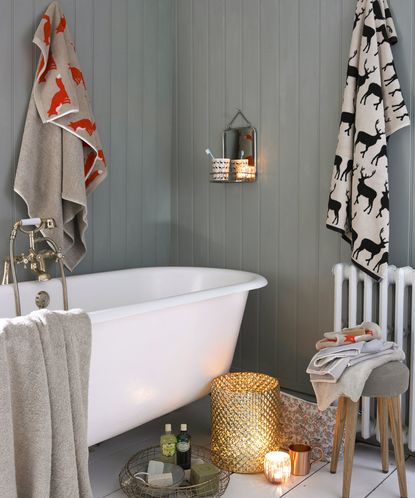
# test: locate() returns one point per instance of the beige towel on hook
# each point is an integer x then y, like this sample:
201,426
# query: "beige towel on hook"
44,376
61,159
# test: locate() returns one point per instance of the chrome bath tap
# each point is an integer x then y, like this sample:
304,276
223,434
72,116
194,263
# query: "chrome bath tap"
35,259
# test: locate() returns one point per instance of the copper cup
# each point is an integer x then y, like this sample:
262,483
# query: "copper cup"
301,460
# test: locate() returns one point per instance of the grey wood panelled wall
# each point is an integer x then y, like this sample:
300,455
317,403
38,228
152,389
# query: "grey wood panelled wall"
126,51
283,63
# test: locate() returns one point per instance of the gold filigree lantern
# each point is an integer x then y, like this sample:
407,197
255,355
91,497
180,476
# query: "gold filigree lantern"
245,420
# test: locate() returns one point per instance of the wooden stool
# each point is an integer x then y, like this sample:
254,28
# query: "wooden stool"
386,383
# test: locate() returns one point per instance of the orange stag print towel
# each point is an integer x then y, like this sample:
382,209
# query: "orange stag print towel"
61,159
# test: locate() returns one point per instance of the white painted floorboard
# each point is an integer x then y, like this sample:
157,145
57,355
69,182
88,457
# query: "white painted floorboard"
107,459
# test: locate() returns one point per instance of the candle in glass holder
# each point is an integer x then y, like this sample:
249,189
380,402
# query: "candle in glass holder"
277,466
242,170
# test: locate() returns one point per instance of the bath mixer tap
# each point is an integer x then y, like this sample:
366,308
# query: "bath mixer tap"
35,259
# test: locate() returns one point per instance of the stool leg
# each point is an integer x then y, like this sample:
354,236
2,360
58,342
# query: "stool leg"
338,434
397,440
383,429
349,443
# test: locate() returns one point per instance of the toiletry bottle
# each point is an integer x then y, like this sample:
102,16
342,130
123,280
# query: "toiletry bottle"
183,447
168,446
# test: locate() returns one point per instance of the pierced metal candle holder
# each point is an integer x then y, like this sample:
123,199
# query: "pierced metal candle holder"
245,420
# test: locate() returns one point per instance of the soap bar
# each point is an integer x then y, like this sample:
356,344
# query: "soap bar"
160,479
155,467
187,475
205,473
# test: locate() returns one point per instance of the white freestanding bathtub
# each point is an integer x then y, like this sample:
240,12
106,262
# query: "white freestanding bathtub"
159,336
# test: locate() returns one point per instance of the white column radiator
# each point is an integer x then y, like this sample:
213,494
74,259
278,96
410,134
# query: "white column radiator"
391,303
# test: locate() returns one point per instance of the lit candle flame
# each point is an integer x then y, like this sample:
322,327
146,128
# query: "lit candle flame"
277,466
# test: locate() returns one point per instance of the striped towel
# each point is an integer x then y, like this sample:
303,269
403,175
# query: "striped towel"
367,331
373,108
61,159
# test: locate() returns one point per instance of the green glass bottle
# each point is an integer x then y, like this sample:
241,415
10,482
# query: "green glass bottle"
168,445
184,448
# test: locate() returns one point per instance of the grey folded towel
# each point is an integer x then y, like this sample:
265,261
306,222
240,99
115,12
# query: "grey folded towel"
353,380
44,373
329,364
335,370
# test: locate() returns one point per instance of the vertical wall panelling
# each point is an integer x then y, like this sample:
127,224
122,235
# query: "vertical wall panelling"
284,63
135,51
149,205
174,214
185,132
268,173
250,193
100,224
216,118
119,107
411,98
200,130
331,79
400,172
165,63
308,182
22,81
289,196
6,130
233,101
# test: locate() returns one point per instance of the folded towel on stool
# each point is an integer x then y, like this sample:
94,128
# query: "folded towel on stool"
329,363
367,331
353,380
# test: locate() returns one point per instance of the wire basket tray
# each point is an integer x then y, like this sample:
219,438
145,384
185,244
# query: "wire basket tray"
134,487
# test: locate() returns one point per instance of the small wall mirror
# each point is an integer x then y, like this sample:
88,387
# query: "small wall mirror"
240,145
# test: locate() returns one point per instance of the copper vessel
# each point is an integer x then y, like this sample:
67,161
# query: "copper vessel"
301,460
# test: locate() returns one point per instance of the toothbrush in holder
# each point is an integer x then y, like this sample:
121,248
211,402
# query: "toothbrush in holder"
209,153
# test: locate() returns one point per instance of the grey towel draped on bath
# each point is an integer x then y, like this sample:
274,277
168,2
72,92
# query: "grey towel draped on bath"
61,159
44,375
373,109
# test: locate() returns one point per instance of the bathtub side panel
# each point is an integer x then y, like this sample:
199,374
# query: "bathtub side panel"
147,365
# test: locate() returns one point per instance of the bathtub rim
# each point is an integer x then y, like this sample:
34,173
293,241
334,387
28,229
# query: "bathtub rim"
250,281
254,281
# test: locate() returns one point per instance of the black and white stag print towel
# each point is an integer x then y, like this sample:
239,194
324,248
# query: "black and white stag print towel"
373,108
